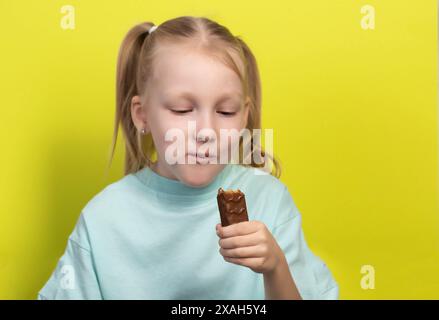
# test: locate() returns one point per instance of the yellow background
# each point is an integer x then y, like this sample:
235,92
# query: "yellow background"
354,114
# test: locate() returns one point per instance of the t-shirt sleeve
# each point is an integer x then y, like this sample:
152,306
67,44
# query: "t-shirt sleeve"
74,276
311,275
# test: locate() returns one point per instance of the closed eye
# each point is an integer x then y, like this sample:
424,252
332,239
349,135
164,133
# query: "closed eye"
181,111
227,114
224,113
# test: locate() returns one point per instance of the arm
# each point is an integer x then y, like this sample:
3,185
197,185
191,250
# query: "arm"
281,255
74,276
279,284
251,244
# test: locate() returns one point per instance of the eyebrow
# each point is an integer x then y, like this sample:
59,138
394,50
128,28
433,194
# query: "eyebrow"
190,97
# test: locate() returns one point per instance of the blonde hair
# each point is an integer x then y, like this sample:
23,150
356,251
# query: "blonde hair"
134,66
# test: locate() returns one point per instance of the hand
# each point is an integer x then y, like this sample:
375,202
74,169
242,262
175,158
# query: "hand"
250,244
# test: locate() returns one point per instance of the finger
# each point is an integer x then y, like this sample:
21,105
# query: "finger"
252,263
244,252
239,229
240,241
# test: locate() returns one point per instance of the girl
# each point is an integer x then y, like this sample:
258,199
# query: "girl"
151,235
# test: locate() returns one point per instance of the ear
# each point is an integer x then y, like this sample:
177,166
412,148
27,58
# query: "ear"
138,114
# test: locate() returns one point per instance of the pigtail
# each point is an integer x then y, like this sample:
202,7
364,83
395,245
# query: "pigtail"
253,90
126,89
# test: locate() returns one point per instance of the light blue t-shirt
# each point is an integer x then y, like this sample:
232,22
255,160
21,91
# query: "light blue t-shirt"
150,237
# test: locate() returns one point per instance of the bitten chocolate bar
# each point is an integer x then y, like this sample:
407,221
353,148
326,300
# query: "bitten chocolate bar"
232,207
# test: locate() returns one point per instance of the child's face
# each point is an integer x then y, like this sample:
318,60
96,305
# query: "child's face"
188,85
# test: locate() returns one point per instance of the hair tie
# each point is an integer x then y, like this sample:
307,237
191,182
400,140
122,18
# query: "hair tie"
151,30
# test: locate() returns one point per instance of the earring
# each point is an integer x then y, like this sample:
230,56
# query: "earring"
143,131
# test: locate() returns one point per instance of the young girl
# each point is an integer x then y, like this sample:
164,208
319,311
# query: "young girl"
155,233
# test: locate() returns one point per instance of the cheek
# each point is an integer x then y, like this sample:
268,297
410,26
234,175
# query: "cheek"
160,124
236,123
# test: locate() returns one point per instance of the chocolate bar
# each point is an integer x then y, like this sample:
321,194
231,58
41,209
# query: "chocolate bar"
232,207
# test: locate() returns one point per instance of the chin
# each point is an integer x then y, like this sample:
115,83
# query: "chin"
199,176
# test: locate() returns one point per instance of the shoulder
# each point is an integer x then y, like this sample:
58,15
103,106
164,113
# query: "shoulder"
108,202
106,209
251,177
261,187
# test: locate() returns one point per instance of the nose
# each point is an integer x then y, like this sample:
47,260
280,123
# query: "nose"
205,129
206,135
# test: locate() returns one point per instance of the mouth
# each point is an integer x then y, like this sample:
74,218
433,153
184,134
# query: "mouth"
202,158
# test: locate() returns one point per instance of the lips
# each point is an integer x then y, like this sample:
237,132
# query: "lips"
202,158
